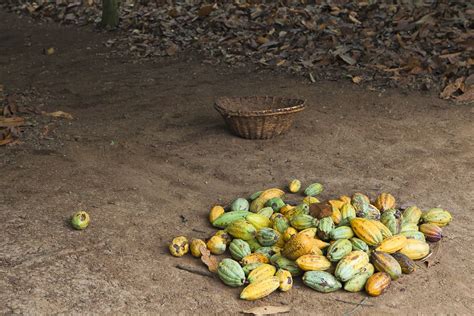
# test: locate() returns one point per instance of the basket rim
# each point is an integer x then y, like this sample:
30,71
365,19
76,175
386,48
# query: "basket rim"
280,111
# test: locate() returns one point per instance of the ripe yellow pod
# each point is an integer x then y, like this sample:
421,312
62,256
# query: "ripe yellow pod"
377,283
286,280
215,212
179,246
216,245
254,257
311,232
195,247
385,201
336,203
294,185
262,272
260,289
313,263
336,215
392,244
310,200
285,209
345,199
415,249
289,232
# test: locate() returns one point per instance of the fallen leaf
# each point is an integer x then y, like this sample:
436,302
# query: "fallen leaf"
6,140
267,310
357,79
49,51
209,260
59,114
172,49
205,10
466,97
348,59
451,88
11,121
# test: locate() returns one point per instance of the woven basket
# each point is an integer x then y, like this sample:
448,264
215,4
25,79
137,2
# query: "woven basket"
259,117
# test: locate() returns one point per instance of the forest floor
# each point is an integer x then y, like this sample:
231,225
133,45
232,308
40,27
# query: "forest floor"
147,156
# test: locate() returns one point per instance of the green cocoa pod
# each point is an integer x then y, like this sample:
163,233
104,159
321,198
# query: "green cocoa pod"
231,273
266,211
350,265
391,219
413,234
342,232
239,248
303,221
255,195
275,203
280,224
437,216
239,204
361,203
325,226
286,264
254,245
359,244
357,282
411,215
267,251
225,219
338,250
251,266
313,189
267,237
321,281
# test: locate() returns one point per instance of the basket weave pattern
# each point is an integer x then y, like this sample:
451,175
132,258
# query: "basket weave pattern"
259,117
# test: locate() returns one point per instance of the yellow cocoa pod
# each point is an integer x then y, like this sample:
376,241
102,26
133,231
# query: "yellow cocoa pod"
377,283
254,257
345,199
216,245
336,215
385,201
311,232
286,280
294,185
297,246
261,272
392,244
315,250
321,244
367,231
415,249
225,235
336,203
310,200
383,229
195,247
289,232
266,195
313,263
285,209
260,289
215,212
179,246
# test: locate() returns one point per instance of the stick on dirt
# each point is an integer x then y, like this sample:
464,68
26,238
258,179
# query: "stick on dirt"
194,270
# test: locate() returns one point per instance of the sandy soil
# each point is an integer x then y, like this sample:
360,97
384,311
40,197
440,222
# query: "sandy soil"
147,155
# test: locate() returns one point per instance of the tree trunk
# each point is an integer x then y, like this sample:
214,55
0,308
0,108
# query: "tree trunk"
110,16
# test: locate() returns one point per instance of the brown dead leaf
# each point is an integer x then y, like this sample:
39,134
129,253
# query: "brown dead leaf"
205,10
6,139
357,79
172,49
11,121
59,114
209,260
451,88
267,310
466,97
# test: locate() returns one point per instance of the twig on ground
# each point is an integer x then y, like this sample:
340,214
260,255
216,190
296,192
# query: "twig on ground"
194,270
361,303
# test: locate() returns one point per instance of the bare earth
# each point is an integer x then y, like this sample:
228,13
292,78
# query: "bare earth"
147,155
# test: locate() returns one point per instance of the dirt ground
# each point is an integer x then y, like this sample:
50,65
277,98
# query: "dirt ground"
147,155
